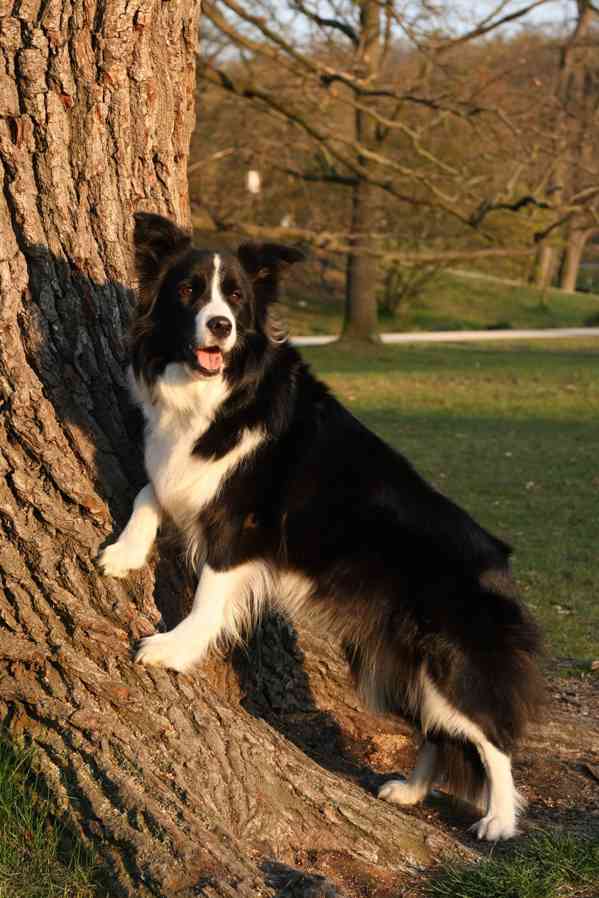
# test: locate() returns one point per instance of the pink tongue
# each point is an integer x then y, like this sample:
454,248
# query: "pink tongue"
211,359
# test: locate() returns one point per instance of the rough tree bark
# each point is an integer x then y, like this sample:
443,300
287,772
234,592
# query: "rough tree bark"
186,785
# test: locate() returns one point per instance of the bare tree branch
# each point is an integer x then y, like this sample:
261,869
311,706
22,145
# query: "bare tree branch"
215,157
486,207
329,178
456,135
486,27
335,242
338,25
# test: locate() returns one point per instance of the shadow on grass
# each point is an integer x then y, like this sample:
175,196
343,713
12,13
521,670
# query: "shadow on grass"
520,358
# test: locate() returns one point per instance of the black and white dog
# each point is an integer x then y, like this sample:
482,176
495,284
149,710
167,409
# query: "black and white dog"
283,497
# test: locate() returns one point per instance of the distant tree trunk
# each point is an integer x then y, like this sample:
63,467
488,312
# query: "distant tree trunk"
361,318
182,791
574,128
361,315
577,240
545,264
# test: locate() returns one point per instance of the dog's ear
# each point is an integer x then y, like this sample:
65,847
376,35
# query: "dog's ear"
263,263
157,241
263,260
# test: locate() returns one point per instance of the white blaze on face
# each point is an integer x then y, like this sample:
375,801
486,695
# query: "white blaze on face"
216,307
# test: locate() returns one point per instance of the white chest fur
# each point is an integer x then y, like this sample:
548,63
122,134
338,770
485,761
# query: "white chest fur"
185,482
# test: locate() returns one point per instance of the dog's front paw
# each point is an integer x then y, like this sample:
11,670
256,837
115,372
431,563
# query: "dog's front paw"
495,828
120,558
168,650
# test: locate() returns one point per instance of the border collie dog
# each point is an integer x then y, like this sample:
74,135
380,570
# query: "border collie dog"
284,498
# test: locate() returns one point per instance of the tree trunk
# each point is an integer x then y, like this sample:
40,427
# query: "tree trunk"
361,314
544,266
572,129
577,240
181,789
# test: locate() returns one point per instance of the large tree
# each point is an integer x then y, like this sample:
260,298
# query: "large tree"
186,785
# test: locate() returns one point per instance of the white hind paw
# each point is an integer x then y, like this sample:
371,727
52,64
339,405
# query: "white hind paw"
495,828
399,792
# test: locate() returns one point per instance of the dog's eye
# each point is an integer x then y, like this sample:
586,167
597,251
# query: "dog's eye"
235,295
184,291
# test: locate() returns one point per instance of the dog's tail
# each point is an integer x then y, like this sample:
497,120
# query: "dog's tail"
459,770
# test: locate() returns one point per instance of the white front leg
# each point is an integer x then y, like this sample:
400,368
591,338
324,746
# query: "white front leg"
133,546
221,605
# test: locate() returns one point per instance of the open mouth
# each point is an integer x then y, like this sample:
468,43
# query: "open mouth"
209,360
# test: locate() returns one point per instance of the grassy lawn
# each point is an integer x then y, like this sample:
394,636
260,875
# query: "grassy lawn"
37,857
449,302
544,866
511,432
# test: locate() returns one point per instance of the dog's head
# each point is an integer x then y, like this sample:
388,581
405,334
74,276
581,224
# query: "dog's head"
197,308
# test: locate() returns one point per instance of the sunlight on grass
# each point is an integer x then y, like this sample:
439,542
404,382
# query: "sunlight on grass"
512,434
544,866
37,858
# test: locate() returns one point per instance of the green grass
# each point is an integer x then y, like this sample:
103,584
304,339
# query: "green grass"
37,857
512,434
450,302
544,866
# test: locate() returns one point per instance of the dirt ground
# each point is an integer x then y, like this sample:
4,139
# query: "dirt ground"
556,769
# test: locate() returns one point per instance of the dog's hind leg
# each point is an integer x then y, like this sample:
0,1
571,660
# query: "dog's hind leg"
225,601
418,784
504,802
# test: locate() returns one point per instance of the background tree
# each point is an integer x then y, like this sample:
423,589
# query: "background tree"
433,129
178,781
579,102
568,132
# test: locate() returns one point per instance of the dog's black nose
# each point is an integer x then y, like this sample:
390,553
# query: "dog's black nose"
219,326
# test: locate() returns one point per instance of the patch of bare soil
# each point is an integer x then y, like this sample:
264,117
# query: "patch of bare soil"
556,769
301,687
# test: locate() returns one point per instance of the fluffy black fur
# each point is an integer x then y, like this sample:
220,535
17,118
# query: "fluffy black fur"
406,578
